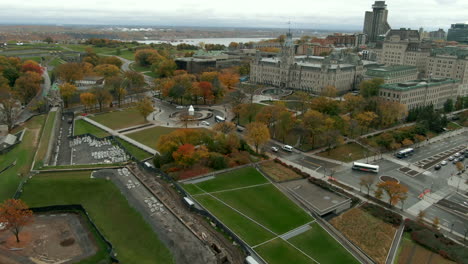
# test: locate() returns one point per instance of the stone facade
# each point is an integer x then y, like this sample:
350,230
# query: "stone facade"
309,73
421,92
451,62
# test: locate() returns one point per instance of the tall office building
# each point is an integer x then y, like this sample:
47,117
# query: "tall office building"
375,21
458,32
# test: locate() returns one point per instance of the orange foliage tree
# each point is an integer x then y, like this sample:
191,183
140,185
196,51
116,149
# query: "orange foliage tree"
257,134
32,66
395,191
27,86
15,214
229,79
187,154
87,100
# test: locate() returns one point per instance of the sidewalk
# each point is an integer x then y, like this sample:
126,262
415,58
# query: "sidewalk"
122,136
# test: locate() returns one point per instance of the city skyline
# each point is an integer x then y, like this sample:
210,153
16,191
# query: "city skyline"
318,15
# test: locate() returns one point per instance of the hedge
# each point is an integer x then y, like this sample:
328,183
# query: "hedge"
383,214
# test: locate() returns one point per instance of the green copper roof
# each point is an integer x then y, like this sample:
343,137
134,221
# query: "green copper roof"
54,87
388,71
410,85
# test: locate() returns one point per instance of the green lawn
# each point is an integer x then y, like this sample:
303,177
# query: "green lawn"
238,178
126,54
268,206
136,67
23,153
279,252
347,152
250,232
120,119
56,62
150,136
325,249
45,138
83,127
244,118
136,151
453,126
122,225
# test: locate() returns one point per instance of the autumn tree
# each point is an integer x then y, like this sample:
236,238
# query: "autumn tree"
460,166
435,222
353,103
313,123
87,100
378,193
390,112
117,85
70,72
67,90
329,91
102,96
111,60
407,142
421,215
187,154
8,106
32,66
209,76
236,100
206,90
285,124
257,134
325,105
134,81
15,215
164,68
145,107
229,79
365,119
394,190
225,127
146,57
367,181
106,70
371,87
27,86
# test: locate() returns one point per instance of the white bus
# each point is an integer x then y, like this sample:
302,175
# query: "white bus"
365,167
404,153
219,119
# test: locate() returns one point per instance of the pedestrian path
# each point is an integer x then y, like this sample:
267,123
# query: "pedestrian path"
122,136
428,200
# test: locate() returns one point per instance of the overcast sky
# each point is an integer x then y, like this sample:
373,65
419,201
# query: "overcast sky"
314,14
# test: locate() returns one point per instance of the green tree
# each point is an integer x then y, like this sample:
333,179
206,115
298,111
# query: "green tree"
371,87
448,106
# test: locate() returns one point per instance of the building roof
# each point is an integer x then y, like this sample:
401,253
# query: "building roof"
8,139
389,70
415,84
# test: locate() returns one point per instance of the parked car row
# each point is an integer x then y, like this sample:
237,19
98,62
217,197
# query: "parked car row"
457,157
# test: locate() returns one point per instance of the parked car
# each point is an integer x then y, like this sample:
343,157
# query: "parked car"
451,158
205,123
274,149
437,167
457,154
454,161
180,107
443,163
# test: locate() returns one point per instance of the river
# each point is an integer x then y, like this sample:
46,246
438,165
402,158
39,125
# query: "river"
223,41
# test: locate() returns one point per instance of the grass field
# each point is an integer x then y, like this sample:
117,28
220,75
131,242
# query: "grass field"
122,225
347,152
372,235
278,172
453,126
136,151
150,136
45,138
120,119
259,213
82,127
410,252
23,154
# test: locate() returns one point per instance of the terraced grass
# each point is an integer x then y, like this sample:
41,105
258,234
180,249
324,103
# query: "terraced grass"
280,252
318,243
131,235
134,150
250,232
235,179
23,154
268,206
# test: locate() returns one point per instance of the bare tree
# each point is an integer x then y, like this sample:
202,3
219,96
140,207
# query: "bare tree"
367,181
9,107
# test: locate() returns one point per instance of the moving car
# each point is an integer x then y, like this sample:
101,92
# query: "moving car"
205,123
180,107
437,167
288,148
274,149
